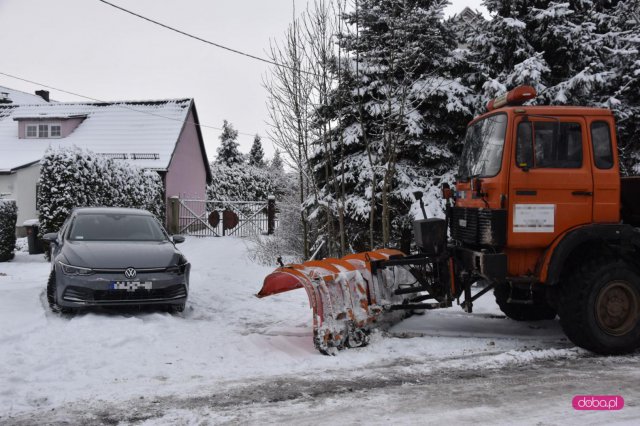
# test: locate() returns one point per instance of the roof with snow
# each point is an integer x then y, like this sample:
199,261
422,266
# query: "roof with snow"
18,97
144,133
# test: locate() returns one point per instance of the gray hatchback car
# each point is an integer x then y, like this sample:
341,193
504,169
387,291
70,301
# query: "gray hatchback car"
114,257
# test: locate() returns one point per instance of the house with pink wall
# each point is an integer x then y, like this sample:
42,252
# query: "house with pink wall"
159,135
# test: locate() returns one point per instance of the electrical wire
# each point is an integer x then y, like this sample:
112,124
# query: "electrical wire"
220,46
119,104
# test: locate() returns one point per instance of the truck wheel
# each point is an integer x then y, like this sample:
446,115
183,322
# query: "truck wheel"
522,312
600,307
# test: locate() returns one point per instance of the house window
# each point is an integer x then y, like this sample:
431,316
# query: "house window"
55,130
44,130
32,131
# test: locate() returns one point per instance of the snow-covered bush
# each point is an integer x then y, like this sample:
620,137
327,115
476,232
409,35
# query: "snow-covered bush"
72,177
242,182
8,217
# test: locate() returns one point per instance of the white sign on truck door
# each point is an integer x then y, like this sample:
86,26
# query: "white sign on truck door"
534,217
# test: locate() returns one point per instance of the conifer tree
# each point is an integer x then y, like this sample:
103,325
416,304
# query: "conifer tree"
277,165
256,155
402,111
228,152
573,53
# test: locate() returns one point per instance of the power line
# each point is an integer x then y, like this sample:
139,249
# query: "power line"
238,52
119,104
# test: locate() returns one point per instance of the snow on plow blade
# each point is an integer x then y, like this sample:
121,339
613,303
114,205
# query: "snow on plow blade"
346,298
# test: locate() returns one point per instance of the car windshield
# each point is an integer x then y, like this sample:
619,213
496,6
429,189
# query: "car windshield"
483,144
115,227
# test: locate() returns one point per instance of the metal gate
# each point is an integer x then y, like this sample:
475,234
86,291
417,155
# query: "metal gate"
213,218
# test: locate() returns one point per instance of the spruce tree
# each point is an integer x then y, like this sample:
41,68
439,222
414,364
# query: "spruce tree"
573,53
256,155
228,152
402,111
276,165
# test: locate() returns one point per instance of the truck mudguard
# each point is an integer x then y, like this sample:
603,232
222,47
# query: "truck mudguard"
609,234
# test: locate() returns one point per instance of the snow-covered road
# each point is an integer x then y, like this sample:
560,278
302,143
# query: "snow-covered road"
233,357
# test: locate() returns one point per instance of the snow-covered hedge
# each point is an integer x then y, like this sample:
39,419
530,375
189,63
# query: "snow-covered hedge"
242,182
72,177
8,217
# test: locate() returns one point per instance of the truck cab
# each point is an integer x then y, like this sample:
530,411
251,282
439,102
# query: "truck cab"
529,174
537,214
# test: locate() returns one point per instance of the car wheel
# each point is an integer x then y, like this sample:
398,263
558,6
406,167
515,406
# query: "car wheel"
52,297
174,309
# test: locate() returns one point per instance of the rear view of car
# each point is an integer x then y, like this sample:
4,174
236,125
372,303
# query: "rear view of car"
115,257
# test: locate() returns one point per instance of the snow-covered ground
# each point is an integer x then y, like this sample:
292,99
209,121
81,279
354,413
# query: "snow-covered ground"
230,349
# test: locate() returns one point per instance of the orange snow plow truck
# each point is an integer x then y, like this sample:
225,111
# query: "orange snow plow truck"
539,213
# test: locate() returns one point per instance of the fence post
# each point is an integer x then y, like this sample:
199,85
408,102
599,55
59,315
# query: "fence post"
174,220
271,214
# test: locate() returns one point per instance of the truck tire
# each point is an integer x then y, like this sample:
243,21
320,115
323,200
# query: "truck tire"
522,312
600,306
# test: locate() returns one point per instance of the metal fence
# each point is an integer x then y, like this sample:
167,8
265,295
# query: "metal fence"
212,218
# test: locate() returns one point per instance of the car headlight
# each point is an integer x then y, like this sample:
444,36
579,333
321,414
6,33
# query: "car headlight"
178,269
74,270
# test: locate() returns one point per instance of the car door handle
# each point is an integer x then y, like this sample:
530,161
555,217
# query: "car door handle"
526,192
583,193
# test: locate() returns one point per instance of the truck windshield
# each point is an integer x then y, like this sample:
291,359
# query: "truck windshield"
483,144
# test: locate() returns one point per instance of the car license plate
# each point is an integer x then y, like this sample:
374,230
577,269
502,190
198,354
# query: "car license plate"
130,285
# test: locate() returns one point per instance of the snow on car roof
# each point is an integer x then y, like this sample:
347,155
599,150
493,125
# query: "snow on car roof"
111,128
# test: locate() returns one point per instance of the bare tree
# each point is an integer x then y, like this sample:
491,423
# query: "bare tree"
321,23
289,93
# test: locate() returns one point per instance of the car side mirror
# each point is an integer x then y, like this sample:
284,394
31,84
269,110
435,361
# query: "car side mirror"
51,237
177,239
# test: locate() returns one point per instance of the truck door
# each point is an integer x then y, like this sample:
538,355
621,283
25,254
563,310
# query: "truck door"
551,182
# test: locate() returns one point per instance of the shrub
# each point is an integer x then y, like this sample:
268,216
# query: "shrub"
72,177
241,183
8,217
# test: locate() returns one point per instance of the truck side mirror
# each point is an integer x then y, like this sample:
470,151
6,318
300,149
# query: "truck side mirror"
476,186
417,195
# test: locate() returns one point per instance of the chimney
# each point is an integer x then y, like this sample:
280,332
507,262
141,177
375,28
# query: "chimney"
4,98
44,94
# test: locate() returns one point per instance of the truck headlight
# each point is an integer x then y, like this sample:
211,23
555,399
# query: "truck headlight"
74,270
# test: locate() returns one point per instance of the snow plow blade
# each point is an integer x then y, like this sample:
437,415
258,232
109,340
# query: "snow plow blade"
346,298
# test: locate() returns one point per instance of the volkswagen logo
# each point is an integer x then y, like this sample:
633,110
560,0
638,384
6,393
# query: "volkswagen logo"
130,273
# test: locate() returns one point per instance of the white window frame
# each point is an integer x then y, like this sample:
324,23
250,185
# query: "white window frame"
59,130
26,131
37,126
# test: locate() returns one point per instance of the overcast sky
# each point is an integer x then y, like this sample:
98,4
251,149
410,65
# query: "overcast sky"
89,48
